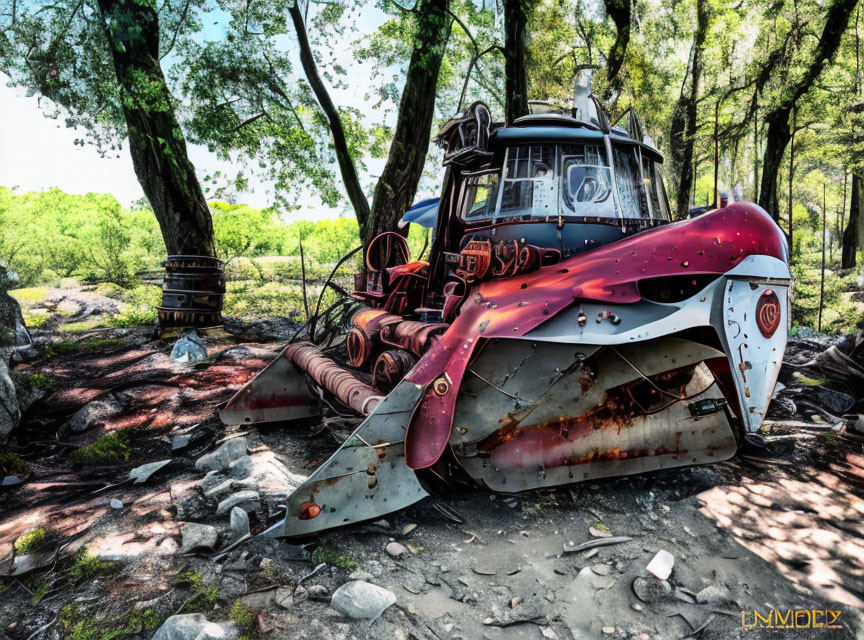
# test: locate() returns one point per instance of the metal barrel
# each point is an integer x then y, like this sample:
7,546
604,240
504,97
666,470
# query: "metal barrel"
192,292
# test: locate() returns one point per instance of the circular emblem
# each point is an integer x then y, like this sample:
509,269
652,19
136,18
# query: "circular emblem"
441,386
768,313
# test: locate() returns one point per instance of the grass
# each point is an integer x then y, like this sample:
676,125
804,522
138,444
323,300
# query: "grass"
84,325
30,541
79,625
204,595
111,448
86,566
325,554
11,464
69,347
40,381
29,297
35,320
243,616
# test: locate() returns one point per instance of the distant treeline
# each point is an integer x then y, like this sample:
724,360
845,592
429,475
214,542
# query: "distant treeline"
52,235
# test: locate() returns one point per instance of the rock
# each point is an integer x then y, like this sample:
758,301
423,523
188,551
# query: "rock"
225,486
22,565
599,531
361,600
661,564
318,592
284,597
194,626
189,348
95,414
651,589
178,443
683,597
601,569
248,500
116,504
143,473
11,481
198,536
221,458
10,411
712,595
608,630
396,550
408,528
239,523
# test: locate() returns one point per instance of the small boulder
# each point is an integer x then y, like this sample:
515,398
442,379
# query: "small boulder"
189,348
93,415
198,536
712,594
361,600
194,626
221,458
318,592
247,500
239,523
10,411
396,550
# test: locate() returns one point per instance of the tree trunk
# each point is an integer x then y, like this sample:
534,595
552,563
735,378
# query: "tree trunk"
346,163
156,141
683,130
516,85
397,185
779,133
853,235
619,11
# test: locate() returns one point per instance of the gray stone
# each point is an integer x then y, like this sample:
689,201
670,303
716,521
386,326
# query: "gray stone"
22,565
650,589
712,595
181,442
10,411
189,348
211,480
194,626
225,486
318,592
221,458
93,415
239,523
11,481
248,500
143,473
198,536
396,550
362,600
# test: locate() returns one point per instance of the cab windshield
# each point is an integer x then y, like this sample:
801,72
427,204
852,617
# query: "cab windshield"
570,179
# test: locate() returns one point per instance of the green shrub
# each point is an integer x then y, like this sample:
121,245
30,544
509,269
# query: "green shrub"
11,464
30,541
41,381
111,448
243,616
86,566
325,554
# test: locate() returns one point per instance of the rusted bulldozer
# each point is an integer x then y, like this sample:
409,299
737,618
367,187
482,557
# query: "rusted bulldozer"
562,329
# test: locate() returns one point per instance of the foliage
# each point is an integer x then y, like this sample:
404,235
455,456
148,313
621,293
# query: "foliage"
204,595
86,566
12,464
325,554
79,625
111,448
30,541
243,616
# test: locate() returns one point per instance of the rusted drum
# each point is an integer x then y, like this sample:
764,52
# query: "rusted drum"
192,292
390,367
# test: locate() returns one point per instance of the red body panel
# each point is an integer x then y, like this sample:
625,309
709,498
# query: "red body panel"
713,243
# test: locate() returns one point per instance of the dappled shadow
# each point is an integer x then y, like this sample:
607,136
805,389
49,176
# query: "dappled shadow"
805,521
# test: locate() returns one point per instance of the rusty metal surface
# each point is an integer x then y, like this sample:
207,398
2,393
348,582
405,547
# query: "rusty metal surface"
390,367
414,336
279,392
366,478
594,417
341,383
715,243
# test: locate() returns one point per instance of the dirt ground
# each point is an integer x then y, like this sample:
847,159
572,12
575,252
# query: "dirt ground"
747,535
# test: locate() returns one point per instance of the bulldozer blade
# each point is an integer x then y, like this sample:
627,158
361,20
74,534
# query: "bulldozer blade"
543,414
278,393
367,476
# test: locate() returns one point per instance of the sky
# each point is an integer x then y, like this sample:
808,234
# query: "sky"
38,153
